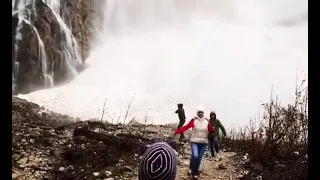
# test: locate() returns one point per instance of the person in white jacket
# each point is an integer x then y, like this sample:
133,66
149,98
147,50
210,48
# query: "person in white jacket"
201,129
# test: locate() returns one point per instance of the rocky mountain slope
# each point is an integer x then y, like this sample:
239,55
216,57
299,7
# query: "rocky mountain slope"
48,145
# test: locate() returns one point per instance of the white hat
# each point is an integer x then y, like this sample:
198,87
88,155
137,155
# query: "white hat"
200,108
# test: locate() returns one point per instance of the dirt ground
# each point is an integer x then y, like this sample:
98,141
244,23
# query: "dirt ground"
226,166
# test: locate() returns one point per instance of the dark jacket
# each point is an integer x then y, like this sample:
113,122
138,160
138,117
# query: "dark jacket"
181,114
217,125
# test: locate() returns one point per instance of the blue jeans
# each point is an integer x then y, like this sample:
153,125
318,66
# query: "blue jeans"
214,144
197,151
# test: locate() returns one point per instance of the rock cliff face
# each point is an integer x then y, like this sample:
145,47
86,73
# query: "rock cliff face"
80,15
50,40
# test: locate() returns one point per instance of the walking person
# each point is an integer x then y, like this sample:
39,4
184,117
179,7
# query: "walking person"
201,128
182,118
215,137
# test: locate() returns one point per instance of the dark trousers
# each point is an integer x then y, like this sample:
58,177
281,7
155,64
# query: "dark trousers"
181,123
214,144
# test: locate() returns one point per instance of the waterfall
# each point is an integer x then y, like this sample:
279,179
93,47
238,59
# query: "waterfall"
26,12
70,45
48,81
223,54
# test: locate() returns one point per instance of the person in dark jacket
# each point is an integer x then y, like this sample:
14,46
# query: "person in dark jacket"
215,137
182,118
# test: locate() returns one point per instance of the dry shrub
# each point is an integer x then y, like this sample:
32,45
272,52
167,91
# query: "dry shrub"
281,137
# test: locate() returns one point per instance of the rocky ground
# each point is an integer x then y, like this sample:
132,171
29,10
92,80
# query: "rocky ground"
225,166
47,145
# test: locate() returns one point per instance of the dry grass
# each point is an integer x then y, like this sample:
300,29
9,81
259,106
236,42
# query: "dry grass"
281,137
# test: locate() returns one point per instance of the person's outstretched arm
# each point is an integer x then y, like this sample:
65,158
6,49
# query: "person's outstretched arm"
177,111
222,129
186,127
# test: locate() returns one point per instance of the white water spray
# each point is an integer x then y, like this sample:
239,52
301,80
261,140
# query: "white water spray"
223,54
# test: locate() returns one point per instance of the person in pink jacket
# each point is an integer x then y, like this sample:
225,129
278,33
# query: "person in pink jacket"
201,128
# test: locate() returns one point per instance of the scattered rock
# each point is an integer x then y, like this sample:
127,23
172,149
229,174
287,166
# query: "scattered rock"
221,158
108,179
279,168
15,157
48,177
108,173
134,122
222,166
258,167
127,168
96,174
23,161
15,176
184,162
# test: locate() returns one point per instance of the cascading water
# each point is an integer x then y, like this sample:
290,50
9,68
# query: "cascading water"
219,53
69,45
69,49
24,16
